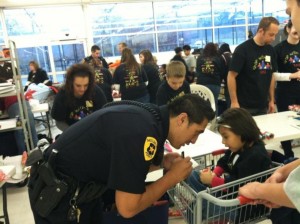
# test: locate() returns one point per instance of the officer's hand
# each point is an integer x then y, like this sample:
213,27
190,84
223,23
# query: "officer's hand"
181,168
168,160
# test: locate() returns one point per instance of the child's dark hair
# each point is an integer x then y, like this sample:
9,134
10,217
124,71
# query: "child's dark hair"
240,123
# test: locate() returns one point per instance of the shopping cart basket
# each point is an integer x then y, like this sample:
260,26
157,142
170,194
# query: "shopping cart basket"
221,204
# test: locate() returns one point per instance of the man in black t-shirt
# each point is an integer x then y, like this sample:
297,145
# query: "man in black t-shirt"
174,86
117,146
251,83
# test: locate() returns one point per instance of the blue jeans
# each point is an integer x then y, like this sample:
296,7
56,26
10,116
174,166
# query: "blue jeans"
13,111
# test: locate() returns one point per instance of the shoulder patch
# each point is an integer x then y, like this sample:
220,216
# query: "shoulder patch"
150,148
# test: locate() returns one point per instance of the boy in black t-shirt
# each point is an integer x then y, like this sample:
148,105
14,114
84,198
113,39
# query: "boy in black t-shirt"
175,85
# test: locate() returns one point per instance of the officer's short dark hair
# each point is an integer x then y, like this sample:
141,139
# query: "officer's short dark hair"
195,106
186,47
95,48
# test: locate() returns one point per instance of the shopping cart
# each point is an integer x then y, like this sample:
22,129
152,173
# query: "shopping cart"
221,204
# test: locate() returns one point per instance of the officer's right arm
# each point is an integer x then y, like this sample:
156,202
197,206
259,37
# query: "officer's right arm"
231,82
130,204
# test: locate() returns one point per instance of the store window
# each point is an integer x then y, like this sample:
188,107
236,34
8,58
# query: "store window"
276,9
182,15
112,24
50,20
138,42
230,35
255,11
228,12
40,54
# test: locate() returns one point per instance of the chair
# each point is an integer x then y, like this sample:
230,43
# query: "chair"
206,94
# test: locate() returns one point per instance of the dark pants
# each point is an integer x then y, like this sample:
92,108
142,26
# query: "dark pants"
285,215
283,100
256,112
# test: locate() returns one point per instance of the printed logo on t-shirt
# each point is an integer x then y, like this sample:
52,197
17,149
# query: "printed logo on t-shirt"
80,112
150,148
263,64
131,79
293,59
99,79
178,95
208,67
89,103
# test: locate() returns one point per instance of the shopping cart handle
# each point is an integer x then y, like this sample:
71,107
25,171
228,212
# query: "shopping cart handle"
243,200
218,152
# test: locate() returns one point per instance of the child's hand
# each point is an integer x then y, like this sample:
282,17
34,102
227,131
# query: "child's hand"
206,176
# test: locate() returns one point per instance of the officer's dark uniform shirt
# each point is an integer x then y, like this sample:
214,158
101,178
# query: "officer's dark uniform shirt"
165,94
89,60
82,107
107,147
38,77
132,83
209,70
254,65
288,60
154,81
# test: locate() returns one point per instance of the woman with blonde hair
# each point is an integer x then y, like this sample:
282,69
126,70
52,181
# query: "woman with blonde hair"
37,75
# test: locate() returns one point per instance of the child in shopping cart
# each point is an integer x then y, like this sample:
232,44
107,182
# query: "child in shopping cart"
246,155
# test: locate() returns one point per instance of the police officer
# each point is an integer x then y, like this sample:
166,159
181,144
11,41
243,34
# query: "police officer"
116,147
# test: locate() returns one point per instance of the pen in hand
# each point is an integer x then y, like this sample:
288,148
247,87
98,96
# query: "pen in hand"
182,154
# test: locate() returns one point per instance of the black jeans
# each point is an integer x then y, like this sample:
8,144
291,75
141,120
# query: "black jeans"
283,100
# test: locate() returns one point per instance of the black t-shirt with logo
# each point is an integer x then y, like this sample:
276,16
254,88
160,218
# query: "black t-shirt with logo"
255,66
91,60
154,80
132,83
108,147
165,94
209,70
288,60
38,77
81,108
103,79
